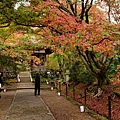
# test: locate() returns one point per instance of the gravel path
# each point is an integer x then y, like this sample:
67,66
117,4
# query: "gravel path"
26,106
5,103
23,105
62,108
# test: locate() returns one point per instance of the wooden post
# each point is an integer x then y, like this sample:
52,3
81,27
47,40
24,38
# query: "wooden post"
73,91
109,107
66,90
85,100
59,86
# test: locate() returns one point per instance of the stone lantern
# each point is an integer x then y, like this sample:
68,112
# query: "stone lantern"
67,76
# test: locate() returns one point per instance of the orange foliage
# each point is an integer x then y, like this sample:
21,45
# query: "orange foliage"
36,61
69,30
18,34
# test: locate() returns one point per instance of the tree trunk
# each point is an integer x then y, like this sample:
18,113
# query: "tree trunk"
102,78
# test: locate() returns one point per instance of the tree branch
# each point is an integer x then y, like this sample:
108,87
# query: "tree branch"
52,29
76,8
95,61
102,40
63,8
5,25
71,6
86,12
82,11
85,61
106,67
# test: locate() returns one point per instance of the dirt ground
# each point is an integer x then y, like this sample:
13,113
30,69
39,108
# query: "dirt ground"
61,108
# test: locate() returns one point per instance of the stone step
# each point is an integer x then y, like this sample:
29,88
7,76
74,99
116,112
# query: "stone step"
25,85
25,82
24,74
32,86
25,79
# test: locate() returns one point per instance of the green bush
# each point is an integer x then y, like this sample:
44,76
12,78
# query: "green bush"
79,74
33,74
112,69
43,80
117,94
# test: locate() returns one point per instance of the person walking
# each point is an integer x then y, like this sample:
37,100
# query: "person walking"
37,84
1,82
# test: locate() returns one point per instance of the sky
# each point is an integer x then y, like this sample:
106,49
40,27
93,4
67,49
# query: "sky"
24,2
27,3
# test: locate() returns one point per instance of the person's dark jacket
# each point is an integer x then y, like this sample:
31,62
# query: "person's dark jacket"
37,79
1,79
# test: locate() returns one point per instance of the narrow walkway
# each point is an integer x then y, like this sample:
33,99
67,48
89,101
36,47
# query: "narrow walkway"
26,106
47,106
21,104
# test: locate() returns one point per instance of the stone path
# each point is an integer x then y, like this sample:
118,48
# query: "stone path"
47,106
26,106
19,103
5,102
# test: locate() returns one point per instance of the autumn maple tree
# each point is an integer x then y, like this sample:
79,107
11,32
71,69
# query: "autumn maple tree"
78,25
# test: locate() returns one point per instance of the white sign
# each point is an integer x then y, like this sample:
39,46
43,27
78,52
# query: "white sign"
41,51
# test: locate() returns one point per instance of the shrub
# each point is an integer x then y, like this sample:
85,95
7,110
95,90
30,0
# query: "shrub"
79,74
